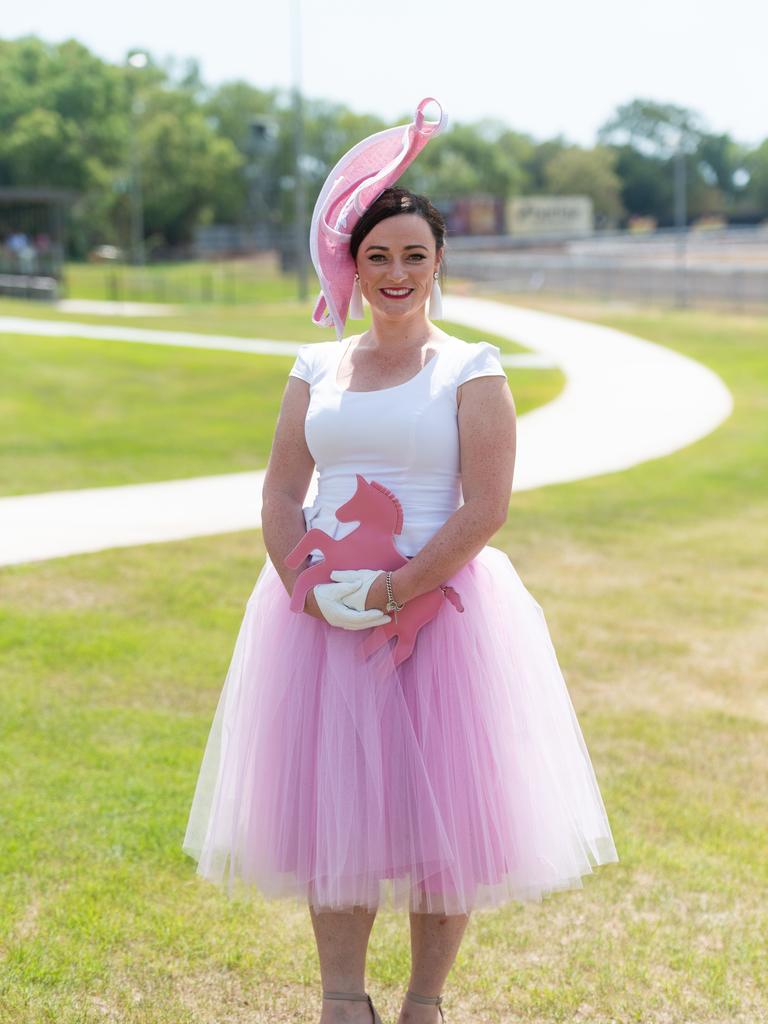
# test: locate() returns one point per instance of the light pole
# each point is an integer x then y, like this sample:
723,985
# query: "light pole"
137,60
681,221
259,147
300,208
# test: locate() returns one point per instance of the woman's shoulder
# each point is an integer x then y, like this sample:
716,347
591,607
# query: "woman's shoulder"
474,359
312,358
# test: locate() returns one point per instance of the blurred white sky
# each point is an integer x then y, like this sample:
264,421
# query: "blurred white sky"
544,67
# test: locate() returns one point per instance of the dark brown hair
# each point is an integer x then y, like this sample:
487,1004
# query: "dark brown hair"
390,203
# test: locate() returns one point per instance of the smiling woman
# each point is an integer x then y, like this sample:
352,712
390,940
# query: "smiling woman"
455,779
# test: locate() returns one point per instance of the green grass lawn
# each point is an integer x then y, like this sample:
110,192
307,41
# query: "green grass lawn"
654,587
86,413
227,281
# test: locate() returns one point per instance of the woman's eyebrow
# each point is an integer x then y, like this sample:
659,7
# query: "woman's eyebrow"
385,248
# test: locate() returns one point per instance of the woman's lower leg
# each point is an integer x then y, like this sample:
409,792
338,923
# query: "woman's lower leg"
435,941
342,945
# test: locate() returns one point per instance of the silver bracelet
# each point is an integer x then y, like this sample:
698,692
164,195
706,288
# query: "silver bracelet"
392,605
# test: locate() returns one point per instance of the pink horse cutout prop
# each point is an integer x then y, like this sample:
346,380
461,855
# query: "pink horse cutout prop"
370,546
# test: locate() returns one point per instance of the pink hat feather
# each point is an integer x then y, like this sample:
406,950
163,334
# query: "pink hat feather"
357,180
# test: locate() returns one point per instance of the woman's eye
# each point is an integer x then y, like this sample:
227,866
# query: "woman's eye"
376,257
418,256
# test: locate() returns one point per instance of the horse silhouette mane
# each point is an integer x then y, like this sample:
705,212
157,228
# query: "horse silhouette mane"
395,501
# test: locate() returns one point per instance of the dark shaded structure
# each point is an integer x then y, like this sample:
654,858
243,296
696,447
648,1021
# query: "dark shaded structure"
32,240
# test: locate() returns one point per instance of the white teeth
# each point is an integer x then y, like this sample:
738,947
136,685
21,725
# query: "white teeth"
395,291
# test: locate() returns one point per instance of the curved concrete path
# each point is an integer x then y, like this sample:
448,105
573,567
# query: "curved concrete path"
190,339
626,401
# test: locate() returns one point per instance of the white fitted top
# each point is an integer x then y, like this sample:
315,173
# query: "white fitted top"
405,437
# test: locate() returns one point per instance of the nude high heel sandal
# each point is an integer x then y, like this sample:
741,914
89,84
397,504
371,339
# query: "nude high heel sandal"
355,996
430,1000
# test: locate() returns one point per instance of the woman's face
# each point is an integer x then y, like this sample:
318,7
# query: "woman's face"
397,261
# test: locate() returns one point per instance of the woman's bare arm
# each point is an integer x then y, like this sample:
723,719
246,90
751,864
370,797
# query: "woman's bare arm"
289,472
487,441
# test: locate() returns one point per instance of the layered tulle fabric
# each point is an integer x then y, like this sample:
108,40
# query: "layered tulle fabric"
458,781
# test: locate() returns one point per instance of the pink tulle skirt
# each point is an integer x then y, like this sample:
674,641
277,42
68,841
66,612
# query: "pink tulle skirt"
457,781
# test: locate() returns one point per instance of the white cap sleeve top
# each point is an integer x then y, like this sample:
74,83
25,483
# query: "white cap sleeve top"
405,437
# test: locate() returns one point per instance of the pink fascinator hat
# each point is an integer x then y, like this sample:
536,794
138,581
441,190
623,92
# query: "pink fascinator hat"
357,180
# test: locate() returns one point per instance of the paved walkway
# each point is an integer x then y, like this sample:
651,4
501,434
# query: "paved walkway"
192,339
111,308
626,401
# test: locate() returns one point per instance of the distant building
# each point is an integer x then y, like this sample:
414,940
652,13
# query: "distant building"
473,215
550,215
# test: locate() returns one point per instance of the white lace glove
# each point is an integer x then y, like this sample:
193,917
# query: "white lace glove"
363,578
330,600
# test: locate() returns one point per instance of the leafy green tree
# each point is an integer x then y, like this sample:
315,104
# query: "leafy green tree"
519,152
62,114
648,136
66,121
587,172
184,165
231,109
652,128
232,105
535,165
756,190
720,162
63,124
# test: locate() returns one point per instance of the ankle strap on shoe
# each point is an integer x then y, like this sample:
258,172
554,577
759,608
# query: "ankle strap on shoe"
356,996
430,1000
434,1000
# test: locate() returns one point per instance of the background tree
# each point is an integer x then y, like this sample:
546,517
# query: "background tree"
535,166
756,187
63,123
588,172
646,135
230,110
646,184
519,150
187,169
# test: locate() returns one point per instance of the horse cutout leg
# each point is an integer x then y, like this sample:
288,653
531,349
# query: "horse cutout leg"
375,639
312,540
305,581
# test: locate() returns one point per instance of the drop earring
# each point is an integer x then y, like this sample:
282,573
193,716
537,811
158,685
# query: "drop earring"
436,301
356,302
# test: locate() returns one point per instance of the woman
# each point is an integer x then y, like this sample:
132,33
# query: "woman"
460,780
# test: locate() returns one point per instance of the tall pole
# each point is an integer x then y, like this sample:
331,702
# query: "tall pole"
300,208
136,60
681,219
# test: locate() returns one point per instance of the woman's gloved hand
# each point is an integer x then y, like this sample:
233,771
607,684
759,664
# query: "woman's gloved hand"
331,598
363,580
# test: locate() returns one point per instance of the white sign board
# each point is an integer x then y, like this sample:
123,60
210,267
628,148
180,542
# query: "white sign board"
550,215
